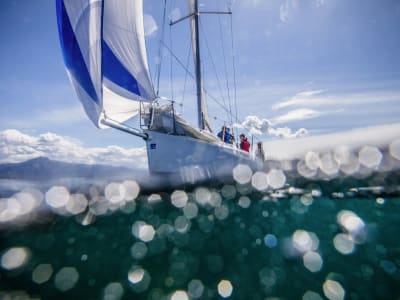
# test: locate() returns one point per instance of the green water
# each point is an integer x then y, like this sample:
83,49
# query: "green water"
298,245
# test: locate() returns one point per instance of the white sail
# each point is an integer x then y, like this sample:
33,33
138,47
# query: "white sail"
104,51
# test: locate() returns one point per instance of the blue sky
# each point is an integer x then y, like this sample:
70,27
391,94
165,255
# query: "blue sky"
323,65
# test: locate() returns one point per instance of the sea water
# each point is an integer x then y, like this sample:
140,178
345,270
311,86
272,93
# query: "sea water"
272,234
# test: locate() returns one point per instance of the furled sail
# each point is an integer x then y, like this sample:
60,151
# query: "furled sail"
104,50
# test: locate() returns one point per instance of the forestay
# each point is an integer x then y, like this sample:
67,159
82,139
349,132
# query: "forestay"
104,50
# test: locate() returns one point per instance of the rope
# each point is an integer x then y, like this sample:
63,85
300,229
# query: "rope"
225,66
234,70
186,76
171,83
158,71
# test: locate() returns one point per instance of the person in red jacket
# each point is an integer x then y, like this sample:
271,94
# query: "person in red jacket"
244,143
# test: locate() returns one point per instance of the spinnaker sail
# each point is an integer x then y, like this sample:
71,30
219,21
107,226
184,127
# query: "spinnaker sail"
103,44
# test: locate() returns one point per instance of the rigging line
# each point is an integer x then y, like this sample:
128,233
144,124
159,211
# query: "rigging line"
214,66
159,49
186,77
193,77
171,68
225,65
234,69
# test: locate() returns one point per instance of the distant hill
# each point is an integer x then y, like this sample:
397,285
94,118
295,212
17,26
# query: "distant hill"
43,168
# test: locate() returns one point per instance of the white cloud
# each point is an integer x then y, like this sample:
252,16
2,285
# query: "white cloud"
297,115
150,25
286,132
17,147
307,97
257,126
316,98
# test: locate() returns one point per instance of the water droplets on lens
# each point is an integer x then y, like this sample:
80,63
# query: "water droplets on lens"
242,174
139,279
42,273
179,198
66,278
225,288
15,258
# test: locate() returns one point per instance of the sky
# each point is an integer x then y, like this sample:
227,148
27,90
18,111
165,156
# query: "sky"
309,66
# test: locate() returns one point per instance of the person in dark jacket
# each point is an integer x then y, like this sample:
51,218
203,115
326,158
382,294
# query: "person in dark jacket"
244,143
224,135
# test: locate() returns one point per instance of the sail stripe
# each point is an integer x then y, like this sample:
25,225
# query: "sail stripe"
104,50
115,71
73,56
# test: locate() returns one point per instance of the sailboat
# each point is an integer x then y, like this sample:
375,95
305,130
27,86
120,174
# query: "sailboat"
103,44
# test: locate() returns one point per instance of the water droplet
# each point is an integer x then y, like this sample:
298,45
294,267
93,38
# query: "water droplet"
57,196
270,241
66,278
179,198
139,279
14,258
310,295
154,198
221,212
146,233
333,290
394,149
329,165
195,289
113,291
244,202
132,190
202,196
312,160
228,192
242,174
182,224
42,273
115,192
276,178
312,261
225,288
139,250
190,210
179,295
305,171
350,222
77,204
344,244
259,181
302,241
370,156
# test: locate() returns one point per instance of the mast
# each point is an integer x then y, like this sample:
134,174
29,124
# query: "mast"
199,82
194,14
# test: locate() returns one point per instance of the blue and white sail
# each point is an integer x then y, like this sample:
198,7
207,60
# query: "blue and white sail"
103,44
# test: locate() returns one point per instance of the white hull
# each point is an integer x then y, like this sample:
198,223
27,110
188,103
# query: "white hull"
192,159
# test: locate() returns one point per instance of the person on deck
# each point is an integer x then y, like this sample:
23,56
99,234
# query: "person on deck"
224,135
260,151
232,138
244,143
